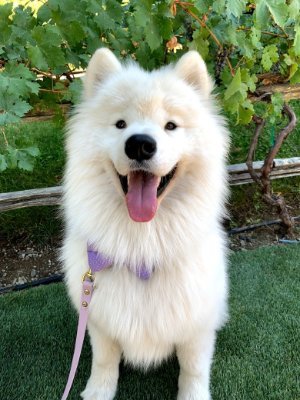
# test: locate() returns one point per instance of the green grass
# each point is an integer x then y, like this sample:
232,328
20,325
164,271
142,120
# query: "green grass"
41,223
257,355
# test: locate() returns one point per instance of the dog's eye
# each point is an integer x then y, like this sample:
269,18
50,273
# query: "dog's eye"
170,126
121,124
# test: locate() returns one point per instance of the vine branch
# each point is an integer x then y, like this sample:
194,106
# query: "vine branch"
260,124
264,180
285,35
202,23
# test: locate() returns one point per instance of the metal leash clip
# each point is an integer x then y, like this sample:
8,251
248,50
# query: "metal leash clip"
88,275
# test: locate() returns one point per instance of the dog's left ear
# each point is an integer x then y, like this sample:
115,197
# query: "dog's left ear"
192,69
103,64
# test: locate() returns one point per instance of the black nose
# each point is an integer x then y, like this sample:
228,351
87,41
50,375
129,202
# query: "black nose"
140,147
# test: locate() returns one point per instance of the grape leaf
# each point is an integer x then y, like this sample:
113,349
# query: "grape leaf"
12,109
269,56
74,92
153,36
294,9
33,151
235,7
114,10
297,40
16,80
3,163
25,164
235,86
202,5
104,21
278,10
245,112
219,6
256,38
200,44
37,57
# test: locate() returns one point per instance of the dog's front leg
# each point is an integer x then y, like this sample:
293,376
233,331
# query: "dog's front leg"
195,358
102,384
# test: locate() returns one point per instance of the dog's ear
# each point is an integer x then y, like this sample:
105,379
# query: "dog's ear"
192,69
102,64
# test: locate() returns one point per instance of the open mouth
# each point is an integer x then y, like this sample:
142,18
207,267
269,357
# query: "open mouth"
164,180
142,190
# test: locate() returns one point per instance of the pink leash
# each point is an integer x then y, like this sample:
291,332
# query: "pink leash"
86,296
97,262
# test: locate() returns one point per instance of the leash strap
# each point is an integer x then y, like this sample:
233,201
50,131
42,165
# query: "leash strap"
97,262
87,291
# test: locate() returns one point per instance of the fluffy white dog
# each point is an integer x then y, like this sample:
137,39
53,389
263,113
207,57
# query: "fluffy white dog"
145,185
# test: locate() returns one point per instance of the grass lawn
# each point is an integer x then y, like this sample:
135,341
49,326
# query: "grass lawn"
257,356
41,223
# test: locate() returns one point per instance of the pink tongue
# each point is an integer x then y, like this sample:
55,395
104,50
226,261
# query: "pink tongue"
141,196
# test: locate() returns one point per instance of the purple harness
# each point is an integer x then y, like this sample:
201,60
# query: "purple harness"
97,262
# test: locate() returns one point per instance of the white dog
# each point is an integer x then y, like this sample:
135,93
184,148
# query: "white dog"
145,185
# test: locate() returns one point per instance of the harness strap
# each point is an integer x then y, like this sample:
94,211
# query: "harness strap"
87,291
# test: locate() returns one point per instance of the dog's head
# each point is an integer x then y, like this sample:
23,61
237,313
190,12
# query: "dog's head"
148,125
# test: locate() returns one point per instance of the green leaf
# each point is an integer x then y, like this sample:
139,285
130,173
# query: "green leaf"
219,6
114,10
297,40
294,9
235,86
269,56
20,108
73,32
200,44
141,17
153,36
37,58
25,164
103,21
202,5
278,10
47,35
3,163
33,151
256,38
277,101
74,92
249,80
235,7
12,109
245,44
49,40
12,157
296,77
245,112
16,80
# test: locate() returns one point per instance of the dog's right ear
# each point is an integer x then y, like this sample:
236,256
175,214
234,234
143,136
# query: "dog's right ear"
103,63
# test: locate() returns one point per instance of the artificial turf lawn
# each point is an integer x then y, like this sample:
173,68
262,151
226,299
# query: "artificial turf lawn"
257,355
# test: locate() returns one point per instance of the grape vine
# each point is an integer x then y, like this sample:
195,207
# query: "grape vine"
241,41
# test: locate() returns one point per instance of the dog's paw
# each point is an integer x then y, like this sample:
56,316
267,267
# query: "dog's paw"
192,388
193,394
98,393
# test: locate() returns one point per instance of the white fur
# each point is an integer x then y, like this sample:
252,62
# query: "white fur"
184,302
